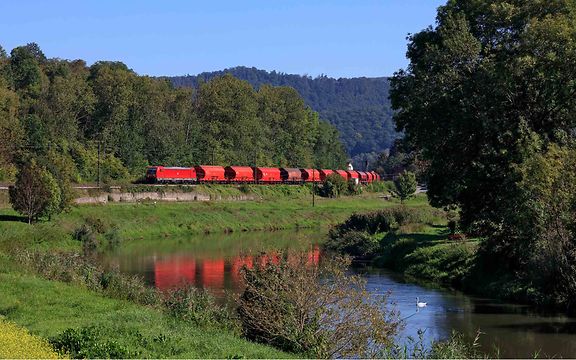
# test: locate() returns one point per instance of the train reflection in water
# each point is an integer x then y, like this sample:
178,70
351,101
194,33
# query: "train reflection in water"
214,274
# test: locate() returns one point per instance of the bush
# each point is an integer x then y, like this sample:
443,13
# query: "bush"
196,306
386,219
77,269
333,186
89,343
443,263
35,193
354,243
354,237
314,311
394,252
405,185
380,187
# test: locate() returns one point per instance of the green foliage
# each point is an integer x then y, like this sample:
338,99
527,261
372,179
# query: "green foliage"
356,236
80,270
198,307
358,108
54,203
88,343
50,308
476,99
405,186
380,187
447,264
548,225
354,243
63,113
333,186
456,347
317,311
35,193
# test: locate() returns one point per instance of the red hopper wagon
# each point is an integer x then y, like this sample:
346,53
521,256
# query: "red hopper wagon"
209,173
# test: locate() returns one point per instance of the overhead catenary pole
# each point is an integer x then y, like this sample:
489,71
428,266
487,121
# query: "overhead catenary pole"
98,163
313,187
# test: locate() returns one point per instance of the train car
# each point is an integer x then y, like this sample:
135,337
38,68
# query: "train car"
268,175
161,174
239,174
363,177
310,175
210,173
342,173
291,175
353,176
370,176
324,173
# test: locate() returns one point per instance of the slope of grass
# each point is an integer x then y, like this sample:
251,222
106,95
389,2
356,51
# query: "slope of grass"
48,308
133,221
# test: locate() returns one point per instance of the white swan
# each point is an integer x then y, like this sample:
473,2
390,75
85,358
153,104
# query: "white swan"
420,304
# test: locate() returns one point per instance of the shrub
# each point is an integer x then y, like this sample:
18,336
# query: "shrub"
380,187
196,306
354,243
386,219
89,343
113,238
333,186
77,269
443,263
86,235
35,193
405,185
393,253
314,311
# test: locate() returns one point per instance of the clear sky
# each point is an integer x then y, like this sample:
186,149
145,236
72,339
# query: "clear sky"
339,38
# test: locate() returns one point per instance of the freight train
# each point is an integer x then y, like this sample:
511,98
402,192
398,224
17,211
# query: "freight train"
250,175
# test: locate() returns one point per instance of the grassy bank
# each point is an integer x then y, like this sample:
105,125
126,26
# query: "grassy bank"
411,240
137,221
70,311
49,308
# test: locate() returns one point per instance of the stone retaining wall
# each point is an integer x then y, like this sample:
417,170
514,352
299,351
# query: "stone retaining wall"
103,198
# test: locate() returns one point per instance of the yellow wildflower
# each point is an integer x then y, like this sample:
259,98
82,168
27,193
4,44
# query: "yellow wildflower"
17,343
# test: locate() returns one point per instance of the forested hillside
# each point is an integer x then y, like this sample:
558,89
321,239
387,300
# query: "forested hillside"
358,107
65,115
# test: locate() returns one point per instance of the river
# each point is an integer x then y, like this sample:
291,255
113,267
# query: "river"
212,261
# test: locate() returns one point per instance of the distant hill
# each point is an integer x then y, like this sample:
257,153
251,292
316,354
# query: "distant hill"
358,107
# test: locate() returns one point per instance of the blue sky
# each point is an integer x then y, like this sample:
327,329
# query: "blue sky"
339,38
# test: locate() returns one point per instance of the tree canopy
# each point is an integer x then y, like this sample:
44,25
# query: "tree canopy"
488,100
62,112
489,85
359,107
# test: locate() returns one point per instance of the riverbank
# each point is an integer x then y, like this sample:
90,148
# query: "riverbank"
119,222
118,327
48,308
418,244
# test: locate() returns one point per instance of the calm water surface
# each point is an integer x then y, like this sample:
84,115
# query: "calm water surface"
213,261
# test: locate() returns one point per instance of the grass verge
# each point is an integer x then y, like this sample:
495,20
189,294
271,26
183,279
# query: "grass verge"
49,308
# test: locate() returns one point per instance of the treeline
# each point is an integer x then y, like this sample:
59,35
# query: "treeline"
65,115
358,107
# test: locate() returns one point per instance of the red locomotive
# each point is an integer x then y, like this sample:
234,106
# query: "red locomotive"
249,175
